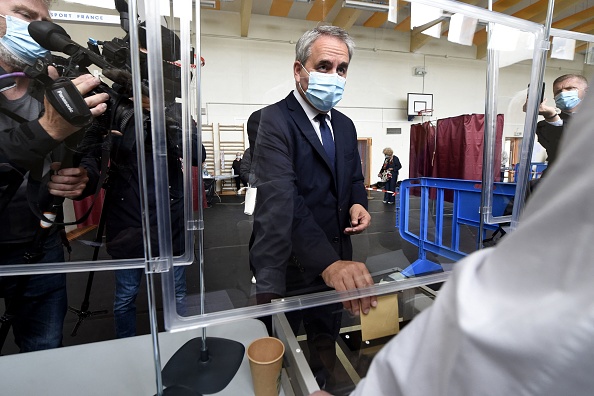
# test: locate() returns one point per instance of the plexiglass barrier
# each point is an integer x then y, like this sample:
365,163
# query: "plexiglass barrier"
152,147
244,74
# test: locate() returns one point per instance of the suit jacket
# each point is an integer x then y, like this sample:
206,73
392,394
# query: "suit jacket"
549,136
303,201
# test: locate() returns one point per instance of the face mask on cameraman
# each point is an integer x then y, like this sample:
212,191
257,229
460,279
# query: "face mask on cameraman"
18,41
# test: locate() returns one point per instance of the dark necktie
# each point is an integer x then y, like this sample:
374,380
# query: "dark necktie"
327,140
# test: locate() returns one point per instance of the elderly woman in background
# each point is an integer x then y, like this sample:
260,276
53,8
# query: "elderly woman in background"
389,174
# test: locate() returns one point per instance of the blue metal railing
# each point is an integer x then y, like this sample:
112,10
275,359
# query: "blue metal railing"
441,199
536,169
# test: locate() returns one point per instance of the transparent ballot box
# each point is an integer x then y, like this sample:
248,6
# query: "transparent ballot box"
329,348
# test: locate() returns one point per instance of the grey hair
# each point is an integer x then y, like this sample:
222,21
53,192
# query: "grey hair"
564,77
388,151
303,47
11,60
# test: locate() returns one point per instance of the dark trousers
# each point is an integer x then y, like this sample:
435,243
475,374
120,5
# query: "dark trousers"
321,324
39,320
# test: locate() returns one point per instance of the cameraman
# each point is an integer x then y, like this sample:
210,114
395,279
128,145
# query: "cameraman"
30,131
123,224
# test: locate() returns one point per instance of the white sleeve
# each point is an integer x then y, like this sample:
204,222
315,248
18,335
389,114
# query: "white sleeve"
517,319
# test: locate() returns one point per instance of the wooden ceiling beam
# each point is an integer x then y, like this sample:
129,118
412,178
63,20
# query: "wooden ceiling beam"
379,18
533,9
584,27
376,20
574,19
320,9
246,16
502,5
346,18
418,38
559,7
280,8
404,25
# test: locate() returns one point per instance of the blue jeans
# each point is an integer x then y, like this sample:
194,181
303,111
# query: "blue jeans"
127,283
39,322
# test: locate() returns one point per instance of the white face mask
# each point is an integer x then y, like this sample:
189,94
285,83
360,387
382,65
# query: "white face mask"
324,90
18,41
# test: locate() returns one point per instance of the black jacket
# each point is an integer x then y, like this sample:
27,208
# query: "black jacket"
549,136
124,234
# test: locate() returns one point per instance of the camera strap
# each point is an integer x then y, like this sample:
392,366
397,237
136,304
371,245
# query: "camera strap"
13,177
14,116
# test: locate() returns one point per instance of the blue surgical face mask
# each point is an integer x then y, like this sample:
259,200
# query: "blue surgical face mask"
18,41
324,90
567,100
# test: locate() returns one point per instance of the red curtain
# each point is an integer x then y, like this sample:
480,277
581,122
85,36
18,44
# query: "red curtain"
422,144
195,170
459,151
81,207
452,150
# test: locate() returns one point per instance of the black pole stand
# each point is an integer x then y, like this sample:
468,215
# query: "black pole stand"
84,313
206,370
203,364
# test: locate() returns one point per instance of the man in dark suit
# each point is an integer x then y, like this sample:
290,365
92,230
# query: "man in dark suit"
569,90
311,195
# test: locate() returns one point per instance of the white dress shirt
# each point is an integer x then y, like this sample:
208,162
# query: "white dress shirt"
311,113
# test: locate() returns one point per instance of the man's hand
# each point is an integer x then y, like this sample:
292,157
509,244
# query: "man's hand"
56,126
348,275
146,102
548,112
360,220
68,182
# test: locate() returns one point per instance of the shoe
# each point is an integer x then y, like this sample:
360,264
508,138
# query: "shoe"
254,280
385,201
390,203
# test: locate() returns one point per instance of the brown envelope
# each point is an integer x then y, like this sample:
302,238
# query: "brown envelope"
382,320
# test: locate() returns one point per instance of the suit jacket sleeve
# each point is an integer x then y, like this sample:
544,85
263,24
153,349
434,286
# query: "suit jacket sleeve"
26,145
283,224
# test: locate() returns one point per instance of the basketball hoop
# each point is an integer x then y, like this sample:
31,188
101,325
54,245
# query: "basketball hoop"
425,113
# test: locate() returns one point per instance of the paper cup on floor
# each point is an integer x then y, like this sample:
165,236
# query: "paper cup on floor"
266,360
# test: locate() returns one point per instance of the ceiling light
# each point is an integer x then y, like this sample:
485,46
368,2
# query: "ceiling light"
363,5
